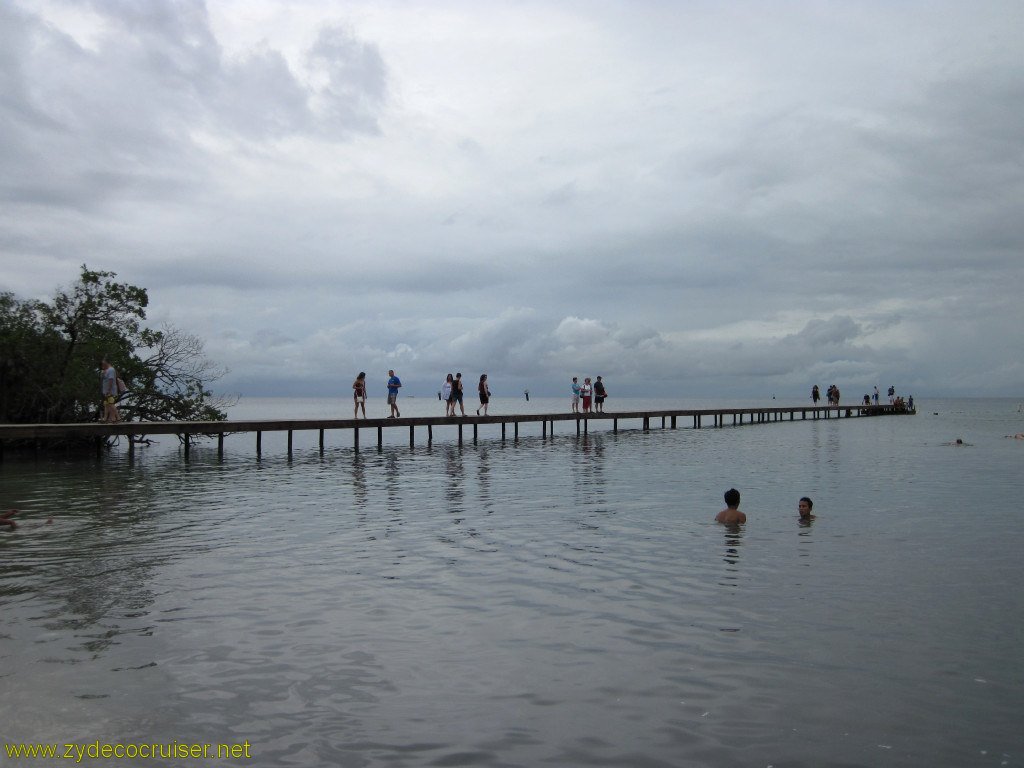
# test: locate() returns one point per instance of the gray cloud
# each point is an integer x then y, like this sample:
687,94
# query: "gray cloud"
727,200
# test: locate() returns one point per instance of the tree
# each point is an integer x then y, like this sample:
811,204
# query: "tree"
20,334
50,355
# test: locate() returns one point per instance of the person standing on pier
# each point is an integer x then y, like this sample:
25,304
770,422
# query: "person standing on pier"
575,394
599,395
446,395
876,395
359,394
815,394
108,388
485,394
394,383
585,392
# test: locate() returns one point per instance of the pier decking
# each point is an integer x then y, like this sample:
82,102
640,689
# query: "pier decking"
716,417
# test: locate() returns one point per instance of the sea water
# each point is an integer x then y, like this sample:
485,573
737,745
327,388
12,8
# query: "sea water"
560,600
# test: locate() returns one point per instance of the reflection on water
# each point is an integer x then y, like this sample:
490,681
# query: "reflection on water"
733,541
565,600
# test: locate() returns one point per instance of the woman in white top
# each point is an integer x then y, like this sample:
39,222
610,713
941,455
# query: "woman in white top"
446,395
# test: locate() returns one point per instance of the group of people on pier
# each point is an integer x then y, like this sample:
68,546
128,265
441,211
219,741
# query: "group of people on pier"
832,393
452,391
587,397
587,392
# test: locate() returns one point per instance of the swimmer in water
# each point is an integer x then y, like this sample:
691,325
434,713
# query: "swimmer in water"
731,514
1018,436
804,508
5,519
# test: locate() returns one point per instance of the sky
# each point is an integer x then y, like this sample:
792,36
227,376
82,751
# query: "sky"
690,199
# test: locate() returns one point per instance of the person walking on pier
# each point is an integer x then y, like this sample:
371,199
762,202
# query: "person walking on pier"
599,395
359,394
731,514
575,394
108,388
485,394
446,395
457,394
394,383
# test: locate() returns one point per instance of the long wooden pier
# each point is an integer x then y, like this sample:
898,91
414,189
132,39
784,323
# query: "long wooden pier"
712,417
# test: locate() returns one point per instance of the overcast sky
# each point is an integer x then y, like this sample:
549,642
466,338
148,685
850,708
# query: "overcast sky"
688,198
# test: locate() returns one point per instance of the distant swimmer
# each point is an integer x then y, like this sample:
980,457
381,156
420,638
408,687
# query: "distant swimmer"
1018,436
5,520
731,513
804,508
959,441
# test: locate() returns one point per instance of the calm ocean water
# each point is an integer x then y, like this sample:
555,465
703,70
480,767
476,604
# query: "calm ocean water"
563,601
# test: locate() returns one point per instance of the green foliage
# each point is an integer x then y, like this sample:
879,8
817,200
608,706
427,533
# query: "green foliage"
50,356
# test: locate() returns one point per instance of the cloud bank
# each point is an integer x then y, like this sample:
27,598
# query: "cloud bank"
689,199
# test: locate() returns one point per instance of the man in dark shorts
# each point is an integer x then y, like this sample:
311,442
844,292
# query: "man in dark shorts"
457,394
599,395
